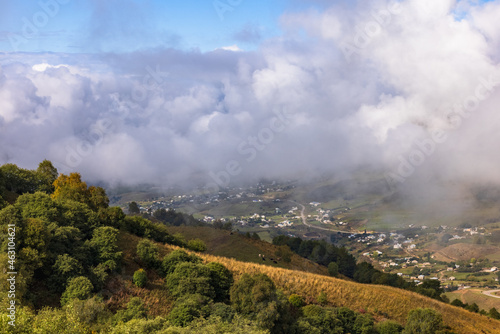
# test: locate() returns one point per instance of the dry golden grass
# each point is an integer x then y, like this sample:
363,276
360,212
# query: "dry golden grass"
375,299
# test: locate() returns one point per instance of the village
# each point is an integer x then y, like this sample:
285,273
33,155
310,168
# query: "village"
409,251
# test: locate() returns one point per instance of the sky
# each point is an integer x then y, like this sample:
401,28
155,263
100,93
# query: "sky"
79,26
214,93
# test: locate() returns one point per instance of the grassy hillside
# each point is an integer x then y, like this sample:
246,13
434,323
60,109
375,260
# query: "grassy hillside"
380,301
236,246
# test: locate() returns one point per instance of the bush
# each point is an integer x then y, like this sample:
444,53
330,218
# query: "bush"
457,302
319,320
296,301
79,287
190,278
424,321
389,327
494,313
140,278
148,253
222,311
176,257
256,297
104,241
333,269
197,245
221,279
188,308
322,298
135,310
86,312
139,326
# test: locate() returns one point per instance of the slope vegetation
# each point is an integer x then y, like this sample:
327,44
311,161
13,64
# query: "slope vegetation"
381,301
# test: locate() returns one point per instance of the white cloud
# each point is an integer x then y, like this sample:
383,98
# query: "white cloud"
202,110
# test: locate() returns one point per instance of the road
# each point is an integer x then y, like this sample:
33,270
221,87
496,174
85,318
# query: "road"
491,293
304,221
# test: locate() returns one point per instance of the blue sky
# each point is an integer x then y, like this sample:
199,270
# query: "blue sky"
115,25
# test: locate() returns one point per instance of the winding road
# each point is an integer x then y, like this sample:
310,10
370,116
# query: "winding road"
491,293
304,221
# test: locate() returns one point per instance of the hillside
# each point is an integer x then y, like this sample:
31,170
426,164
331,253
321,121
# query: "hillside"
234,245
381,301
462,251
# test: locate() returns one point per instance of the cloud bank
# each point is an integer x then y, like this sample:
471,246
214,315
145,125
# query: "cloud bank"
411,88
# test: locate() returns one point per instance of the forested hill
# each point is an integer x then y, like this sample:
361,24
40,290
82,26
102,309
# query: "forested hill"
72,264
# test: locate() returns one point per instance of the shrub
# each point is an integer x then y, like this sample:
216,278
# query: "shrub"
140,278
389,327
494,313
457,302
190,278
197,245
86,312
221,280
333,269
322,299
174,258
296,301
256,297
139,326
319,320
148,253
222,311
104,241
188,308
424,321
79,287
135,310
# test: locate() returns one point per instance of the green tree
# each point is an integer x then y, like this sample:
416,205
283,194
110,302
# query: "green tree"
104,241
66,267
176,257
221,279
46,174
389,327
284,253
197,245
457,302
135,310
256,298
493,313
472,308
133,208
424,321
319,320
18,180
148,252
39,205
188,308
79,287
140,278
190,278
97,198
333,269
